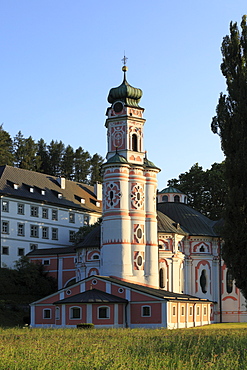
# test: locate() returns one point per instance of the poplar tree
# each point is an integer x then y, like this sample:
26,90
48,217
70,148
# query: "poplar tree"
230,123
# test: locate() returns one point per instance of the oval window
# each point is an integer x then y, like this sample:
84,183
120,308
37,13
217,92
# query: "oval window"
203,281
229,282
139,260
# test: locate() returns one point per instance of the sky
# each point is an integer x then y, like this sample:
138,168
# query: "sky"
60,58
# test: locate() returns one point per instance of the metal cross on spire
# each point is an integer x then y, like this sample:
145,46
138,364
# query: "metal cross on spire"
124,60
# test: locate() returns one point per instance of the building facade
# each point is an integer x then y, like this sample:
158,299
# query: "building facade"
40,211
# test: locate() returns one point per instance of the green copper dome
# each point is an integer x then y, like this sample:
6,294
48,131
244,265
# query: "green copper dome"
126,93
117,158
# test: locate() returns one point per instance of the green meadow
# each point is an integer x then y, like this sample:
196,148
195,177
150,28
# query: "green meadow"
219,346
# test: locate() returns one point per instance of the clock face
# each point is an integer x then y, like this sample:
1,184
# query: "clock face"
118,107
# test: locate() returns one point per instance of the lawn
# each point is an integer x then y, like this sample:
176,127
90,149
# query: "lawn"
220,346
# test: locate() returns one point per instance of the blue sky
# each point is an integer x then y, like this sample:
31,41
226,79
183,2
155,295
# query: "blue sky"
59,58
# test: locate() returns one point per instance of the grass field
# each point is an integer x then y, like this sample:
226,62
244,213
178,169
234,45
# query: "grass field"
220,346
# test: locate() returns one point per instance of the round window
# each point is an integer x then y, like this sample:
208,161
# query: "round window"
120,290
94,282
68,292
118,107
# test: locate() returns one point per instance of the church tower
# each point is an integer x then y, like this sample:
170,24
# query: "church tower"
129,247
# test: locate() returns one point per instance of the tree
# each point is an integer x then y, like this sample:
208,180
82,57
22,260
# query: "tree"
55,152
206,190
230,123
82,165
6,147
42,153
26,153
95,168
67,165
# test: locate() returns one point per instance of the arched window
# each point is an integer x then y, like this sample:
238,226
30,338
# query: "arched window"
203,281
161,278
134,142
229,282
176,199
75,312
165,198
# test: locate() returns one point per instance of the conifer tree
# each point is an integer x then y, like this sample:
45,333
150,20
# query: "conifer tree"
6,147
230,123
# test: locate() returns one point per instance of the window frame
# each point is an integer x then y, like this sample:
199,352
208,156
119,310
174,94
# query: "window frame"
54,214
21,252
45,213
20,229
149,311
5,227
71,235
34,211
34,231
20,208
72,217
5,206
45,232
106,310
47,310
5,251
71,313
54,233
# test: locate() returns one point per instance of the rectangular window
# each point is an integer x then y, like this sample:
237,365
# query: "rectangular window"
45,213
33,246
72,217
46,262
20,209
5,206
5,250
47,313
21,229
75,313
103,312
54,233
45,232
54,216
34,231
71,235
146,311
198,311
34,211
191,310
21,251
182,311
174,310
5,227
86,220
205,310
57,313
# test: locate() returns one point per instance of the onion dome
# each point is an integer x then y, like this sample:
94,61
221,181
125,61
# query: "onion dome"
126,93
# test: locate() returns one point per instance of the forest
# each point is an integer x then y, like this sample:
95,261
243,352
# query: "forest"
54,158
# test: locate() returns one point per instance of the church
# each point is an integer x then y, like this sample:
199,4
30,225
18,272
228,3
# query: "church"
153,261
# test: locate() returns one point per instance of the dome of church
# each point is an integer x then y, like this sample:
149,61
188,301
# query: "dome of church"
117,158
170,189
190,220
126,93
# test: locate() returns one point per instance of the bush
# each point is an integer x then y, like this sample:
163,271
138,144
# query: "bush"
85,326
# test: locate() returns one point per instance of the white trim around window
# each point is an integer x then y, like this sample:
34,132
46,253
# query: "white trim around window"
103,312
146,311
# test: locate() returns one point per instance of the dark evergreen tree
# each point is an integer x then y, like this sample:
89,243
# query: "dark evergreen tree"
42,153
95,168
26,153
55,152
230,123
67,165
6,148
82,165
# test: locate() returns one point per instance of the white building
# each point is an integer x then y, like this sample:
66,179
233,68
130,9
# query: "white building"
40,211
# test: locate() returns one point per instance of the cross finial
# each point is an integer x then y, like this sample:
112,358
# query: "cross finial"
124,60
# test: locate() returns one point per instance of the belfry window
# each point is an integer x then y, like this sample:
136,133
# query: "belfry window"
176,199
165,198
134,142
